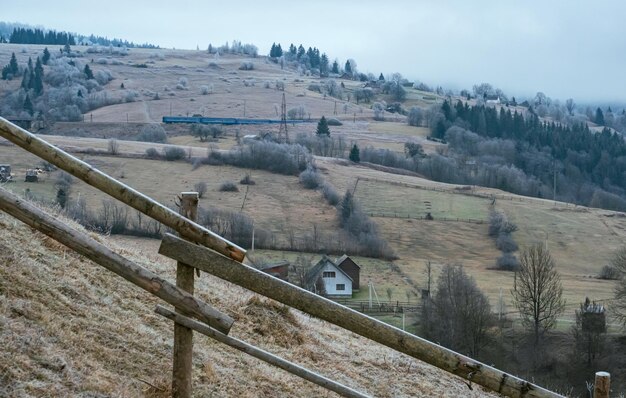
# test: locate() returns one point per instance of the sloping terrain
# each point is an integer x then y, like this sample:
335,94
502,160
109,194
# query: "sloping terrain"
71,328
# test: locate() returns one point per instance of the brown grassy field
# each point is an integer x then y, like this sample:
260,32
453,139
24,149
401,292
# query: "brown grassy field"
71,328
581,240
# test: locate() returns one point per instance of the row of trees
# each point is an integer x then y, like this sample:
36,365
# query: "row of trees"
590,166
313,59
39,36
459,315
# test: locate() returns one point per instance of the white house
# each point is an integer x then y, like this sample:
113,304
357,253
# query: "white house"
328,279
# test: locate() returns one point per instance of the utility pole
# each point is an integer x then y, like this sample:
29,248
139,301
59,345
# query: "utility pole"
554,184
282,130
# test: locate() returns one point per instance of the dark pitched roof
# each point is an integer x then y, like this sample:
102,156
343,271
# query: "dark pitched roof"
273,265
344,258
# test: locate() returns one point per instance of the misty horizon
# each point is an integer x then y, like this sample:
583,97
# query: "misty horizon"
557,48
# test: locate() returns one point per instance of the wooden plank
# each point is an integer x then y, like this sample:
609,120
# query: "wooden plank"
102,255
183,336
118,190
261,354
602,385
262,283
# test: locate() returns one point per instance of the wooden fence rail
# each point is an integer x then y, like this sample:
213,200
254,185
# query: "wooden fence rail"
260,354
286,293
116,189
225,263
102,255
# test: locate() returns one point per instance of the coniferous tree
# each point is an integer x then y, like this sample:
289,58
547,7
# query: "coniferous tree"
301,51
13,65
381,77
28,105
348,68
279,51
88,73
273,50
25,80
322,128
335,68
46,56
37,83
599,119
355,154
292,49
324,65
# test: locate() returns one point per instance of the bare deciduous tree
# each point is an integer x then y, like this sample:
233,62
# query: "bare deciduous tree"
538,293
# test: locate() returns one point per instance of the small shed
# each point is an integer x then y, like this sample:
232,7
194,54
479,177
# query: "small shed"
5,172
278,270
327,279
351,268
31,176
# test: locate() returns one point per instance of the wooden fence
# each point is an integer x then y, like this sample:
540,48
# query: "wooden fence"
223,259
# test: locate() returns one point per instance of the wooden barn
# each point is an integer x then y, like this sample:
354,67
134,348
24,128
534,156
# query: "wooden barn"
347,265
327,279
279,270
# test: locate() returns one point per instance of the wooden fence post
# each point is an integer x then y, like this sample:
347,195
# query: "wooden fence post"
602,385
183,336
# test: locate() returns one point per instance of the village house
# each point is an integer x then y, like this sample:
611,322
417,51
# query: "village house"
329,279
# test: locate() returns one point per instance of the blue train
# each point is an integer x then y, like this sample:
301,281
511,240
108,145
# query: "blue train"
224,120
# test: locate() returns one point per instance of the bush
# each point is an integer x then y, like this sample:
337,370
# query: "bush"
152,133
246,66
174,153
152,153
310,178
204,90
330,194
228,186
507,262
334,122
247,180
113,146
505,243
609,272
278,158
201,188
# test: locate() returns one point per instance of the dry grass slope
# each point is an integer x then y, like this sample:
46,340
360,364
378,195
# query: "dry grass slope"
71,328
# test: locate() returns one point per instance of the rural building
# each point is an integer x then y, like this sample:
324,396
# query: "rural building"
279,270
327,279
492,100
5,172
351,268
31,176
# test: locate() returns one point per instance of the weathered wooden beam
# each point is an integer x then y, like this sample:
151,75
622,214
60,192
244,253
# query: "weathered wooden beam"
414,346
116,189
261,354
102,255
183,336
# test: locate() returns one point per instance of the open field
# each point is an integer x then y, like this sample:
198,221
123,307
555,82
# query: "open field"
581,240
71,328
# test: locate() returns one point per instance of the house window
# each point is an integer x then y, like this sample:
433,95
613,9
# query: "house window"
328,274
341,286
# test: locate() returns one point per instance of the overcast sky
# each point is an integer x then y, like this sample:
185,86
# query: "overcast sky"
563,48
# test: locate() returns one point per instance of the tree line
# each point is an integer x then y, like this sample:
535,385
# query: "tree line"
39,36
583,160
